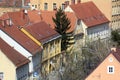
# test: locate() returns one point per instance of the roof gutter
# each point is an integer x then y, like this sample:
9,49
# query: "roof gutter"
31,37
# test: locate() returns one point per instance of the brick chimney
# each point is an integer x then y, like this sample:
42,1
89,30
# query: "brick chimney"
113,48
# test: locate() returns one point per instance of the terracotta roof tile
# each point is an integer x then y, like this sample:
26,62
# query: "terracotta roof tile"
89,13
17,59
42,31
36,16
116,54
21,38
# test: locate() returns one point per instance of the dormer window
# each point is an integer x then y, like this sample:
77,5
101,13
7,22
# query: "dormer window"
110,69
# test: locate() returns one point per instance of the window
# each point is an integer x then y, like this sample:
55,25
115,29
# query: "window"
63,6
35,6
110,69
54,6
1,76
45,6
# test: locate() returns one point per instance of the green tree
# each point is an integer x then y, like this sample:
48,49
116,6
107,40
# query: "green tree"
79,65
115,36
62,24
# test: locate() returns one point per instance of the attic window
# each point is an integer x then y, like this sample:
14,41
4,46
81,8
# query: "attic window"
111,59
110,69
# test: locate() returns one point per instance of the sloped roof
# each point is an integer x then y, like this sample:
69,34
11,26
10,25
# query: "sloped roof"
16,58
116,54
89,13
42,31
21,38
18,17
47,17
35,16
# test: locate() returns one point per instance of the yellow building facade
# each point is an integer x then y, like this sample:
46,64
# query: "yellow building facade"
51,5
115,14
7,70
104,5
51,55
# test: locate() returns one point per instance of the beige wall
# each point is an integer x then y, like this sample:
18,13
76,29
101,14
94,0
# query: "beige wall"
104,5
2,10
100,73
50,3
7,67
51,50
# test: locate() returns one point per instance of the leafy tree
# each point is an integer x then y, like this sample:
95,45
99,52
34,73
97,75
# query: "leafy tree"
79,65
115,36
62,24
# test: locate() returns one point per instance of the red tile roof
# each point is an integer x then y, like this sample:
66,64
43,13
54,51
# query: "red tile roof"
89,13
116,54
47,17
34,17
17,59
21,19
21,38
42,31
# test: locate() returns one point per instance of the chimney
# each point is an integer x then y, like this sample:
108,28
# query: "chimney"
25,11
113,48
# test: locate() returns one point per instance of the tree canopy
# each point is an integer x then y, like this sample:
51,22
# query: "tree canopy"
62,24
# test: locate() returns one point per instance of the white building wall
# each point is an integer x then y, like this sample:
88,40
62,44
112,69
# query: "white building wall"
100,31
14,44
17,47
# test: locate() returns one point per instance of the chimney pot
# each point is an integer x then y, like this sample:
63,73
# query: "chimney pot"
113,48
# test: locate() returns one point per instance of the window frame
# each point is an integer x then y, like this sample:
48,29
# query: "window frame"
45,6
54,6
110,69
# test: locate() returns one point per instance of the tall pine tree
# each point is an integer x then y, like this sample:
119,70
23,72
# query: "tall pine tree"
62,24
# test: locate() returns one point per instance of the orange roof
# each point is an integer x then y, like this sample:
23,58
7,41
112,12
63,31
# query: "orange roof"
21,38
89,13
36,16
20,20
17,59
42,31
